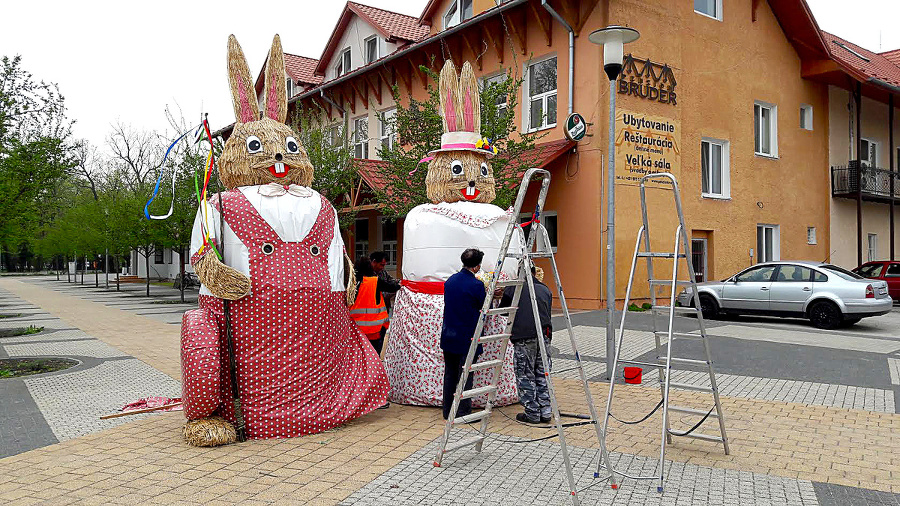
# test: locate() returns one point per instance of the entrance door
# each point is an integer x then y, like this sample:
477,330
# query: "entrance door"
698,259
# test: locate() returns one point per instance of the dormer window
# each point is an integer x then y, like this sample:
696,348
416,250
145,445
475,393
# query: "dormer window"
371,48
459,11
289,86
343,65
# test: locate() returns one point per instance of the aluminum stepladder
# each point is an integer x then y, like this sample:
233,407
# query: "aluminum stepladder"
524,276
664,362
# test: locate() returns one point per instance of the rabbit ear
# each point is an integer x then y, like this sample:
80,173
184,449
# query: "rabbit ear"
243,96
276,88
449,89
469,100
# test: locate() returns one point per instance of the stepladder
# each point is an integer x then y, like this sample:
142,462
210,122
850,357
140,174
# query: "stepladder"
534,244
668,332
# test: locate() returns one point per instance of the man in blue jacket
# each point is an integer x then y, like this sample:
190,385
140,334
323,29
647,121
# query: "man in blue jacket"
463,297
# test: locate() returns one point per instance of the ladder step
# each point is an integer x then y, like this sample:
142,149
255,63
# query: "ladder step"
692,411
705,437
686,386
478,391
474,417
654,254
461,443
491,338
689,361
487,364
645,364
682,335
678,309
510,282
567,369
678,282
501,310
536,254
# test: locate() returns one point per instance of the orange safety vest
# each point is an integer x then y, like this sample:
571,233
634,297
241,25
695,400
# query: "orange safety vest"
370,317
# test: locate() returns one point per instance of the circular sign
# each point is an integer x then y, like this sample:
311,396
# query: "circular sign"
575,127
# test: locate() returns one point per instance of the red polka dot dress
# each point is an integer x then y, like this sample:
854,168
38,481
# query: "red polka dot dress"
302,364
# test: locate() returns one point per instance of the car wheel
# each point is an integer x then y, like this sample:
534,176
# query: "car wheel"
825,315
851,321
708,307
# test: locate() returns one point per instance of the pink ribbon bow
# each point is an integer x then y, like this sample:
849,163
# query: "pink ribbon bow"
277,190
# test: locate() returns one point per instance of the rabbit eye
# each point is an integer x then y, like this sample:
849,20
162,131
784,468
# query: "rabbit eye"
253,144
291,144
456,168
484,169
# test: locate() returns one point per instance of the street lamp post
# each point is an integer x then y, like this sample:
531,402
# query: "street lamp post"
613,39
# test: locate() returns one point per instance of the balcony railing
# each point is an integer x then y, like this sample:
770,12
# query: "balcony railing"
846,181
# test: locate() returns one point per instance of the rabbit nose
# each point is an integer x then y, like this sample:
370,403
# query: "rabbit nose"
278,157
471,183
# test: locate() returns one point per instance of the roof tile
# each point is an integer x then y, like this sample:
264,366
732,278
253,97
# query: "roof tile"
396,25
883,67
301,68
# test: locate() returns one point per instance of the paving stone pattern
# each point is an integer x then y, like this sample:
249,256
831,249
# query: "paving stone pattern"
830,494
514,472
22,426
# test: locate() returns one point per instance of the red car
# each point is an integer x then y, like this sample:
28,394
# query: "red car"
886,271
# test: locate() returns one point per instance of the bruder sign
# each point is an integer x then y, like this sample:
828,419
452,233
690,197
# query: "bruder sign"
647,80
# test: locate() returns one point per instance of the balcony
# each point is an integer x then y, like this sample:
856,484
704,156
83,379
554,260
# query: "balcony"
876,183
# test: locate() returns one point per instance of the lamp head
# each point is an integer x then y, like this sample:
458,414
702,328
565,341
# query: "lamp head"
613,39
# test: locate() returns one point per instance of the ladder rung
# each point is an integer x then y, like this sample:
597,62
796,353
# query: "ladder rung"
654,254
567,369
679,282
692,411
536,254
478,391
645,364
501,310
683,335
493,337
678,309
510,282
473,417
686,386
463,442
705,437
690,361
487,364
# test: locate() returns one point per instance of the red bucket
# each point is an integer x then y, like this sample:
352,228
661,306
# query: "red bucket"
632,375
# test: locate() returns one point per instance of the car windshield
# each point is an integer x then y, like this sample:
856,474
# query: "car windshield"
868,270
842,273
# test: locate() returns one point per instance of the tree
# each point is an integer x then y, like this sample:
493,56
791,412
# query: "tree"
418,127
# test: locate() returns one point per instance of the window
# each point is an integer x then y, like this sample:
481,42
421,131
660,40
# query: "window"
335,134
711,8
714,168
459,11
371,49
811,235
819,277
388,139
541,92
501,99
167,256
361,137
361,237
872,247
289,86
698,259
548,219
765,126
794,274
389,240
756,274
343,65
869,270
868,153
158,255
893,271
806,117
768,243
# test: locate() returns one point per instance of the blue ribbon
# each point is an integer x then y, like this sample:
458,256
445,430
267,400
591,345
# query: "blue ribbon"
159,179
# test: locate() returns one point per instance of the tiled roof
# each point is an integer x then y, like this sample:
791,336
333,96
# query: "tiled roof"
301,68
394,24
369,171
864,62
542,154
892,56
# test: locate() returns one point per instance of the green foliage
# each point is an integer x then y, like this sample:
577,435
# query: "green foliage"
418,127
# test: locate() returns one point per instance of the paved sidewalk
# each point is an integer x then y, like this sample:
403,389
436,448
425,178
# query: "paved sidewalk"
782,452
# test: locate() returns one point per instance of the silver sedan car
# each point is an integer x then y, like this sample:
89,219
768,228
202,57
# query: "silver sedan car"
827,295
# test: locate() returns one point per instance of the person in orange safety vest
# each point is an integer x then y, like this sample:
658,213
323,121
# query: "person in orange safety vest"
369,310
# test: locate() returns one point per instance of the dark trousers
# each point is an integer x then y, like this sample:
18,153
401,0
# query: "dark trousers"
377,343
453,369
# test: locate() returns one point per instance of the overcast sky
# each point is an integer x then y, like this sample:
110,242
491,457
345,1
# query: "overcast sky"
126,61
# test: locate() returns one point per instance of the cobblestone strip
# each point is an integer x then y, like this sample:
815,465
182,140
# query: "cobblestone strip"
894,367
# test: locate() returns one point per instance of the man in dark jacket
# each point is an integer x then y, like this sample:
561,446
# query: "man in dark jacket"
463,297
530,379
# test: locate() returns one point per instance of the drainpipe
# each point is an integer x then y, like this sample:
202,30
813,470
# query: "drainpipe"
325,97
571,50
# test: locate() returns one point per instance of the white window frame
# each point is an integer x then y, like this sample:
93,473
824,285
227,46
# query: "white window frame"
718,16
289,87
345,62
456,13
869,163
523,217
758,105
366,42
362,144
872,247
811,236
334,135
498,77
527,98
167,256
806,116
387,136
776,242
725,145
